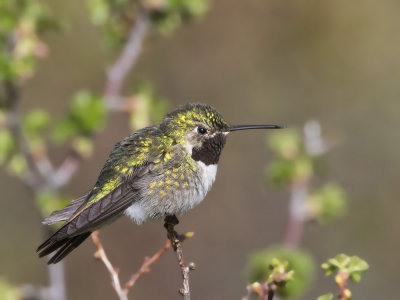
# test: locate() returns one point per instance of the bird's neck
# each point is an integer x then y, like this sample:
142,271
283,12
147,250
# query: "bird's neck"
210,150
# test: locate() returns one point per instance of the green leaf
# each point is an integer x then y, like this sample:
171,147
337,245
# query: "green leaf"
63,130
88,111
195,8
279,272
353,265
328,296
356,267
35,122
7,145
303,266
327,203
17,165
100,11
286,143
148,108
23,20
83,145
167,22
114,18
87,115
279,172
48,201
303,168
140,117
284,171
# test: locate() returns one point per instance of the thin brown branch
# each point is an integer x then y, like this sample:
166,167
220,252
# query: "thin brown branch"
249,290
299,193
315,146
122,293
66,170
57,287
271,291
36,179
40,173
55,290
341,280
265,291
32,177
176,242
127,59
145,268
100,254
185,291
115,78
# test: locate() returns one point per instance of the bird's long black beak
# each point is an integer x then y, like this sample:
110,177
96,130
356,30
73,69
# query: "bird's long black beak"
245,127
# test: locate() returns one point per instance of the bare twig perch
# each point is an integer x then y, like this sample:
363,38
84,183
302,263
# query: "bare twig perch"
176,241
100,254
122,293
145,268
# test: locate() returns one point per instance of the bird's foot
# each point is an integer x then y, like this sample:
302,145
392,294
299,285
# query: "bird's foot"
169,223
171,220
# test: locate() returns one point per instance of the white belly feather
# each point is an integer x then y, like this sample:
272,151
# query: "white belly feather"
207,176
142,211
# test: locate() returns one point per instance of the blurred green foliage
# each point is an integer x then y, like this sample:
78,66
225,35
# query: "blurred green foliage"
279,272
326,203
296,164
34,125
328,296
344,267
20,23
7,145
278,276
48,201
297,158
7,291
147,107
17,165
115,17
86,115
300,262
170,14
35,122
352,265
293,163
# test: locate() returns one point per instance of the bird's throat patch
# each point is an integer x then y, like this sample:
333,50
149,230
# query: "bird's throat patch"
210,150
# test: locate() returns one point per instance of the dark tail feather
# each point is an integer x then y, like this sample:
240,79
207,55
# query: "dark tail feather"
70,245
50,245
66,245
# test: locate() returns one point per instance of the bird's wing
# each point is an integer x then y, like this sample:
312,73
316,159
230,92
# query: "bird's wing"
115,190
93,214
65,213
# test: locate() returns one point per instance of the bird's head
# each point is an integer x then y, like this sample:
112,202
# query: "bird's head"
201,130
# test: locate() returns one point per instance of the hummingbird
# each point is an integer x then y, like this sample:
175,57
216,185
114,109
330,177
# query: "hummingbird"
158,171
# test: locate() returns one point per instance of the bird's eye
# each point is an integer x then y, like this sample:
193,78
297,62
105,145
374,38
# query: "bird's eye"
201,130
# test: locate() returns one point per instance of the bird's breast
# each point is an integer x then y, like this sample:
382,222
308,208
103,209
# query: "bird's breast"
175,191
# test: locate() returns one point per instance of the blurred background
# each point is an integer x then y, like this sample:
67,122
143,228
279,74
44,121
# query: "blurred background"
274,62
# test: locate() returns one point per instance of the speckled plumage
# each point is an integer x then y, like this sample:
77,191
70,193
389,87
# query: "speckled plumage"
157,171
